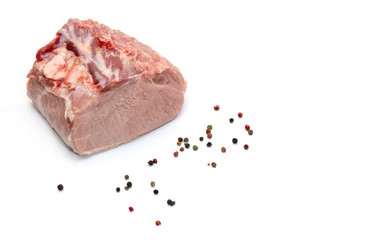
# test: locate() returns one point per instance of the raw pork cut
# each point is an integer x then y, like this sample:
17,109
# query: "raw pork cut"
99,88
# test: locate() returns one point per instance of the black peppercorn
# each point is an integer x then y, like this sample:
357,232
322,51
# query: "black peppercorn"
150,162
169,202
180,139
126,177
234,140
117,189
214,165
129,184
60,187
187,145
231,120
156,191
201,138
209,144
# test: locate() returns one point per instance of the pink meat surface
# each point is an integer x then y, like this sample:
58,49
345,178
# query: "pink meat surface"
99,88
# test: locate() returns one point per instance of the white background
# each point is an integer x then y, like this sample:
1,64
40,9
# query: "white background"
296,69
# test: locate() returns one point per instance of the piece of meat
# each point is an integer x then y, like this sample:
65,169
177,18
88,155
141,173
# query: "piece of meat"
99,88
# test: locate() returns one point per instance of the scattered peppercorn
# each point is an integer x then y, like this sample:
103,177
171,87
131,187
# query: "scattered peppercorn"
223,149
247,127
129,184
170,202
201,139
186,140
209,144
152,183
155,160
208,164
216,107
250,132
158,223
182,149
231,120
178,143
175,154
180,139
150,162
60,187
245,147
240,114
156,191
214,165
209,135
126,177
117,189
209,127
234,140
187,145
127,188
208,131
195,147
131,209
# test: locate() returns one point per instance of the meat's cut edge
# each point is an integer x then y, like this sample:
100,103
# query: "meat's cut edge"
141,93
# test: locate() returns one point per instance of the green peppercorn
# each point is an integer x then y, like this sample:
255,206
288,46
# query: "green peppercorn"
126,177
180,139
195,147
201,139
186,140
127,188
250,132
129,184
209,144
152,183
210,127
214,165
187,145
150,162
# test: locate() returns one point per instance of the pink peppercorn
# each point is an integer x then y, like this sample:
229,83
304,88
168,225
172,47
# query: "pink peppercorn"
247,127
175,154
131,209
158,223
155,160
240,114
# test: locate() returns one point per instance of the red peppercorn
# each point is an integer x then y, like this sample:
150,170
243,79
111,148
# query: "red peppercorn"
247,127
182,149
155,160
245,146
175,154
131,209
158,223
240,114
208,164
209,135
216,107
223,149
208,131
